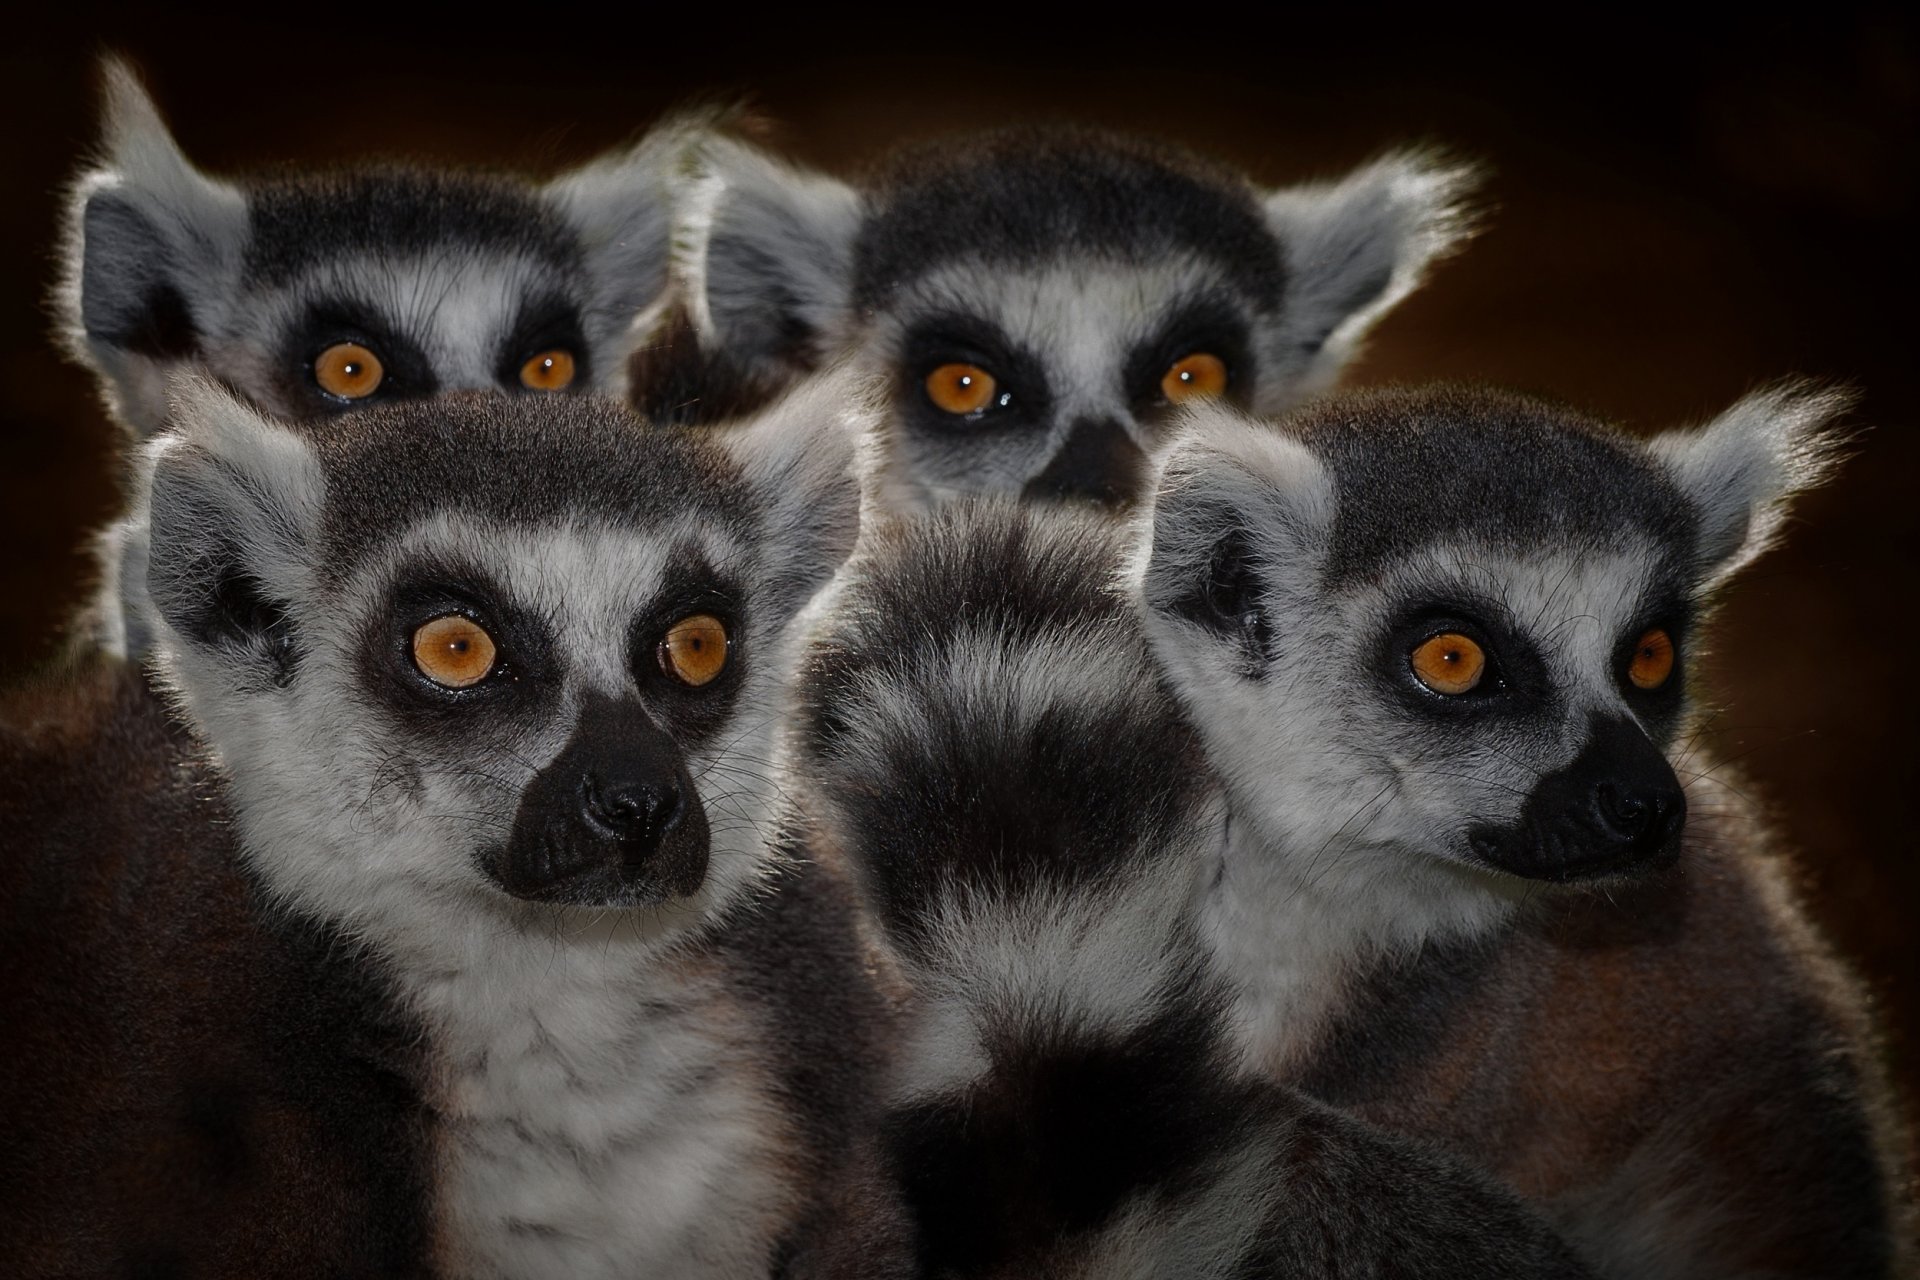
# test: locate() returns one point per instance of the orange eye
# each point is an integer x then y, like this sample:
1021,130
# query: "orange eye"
548,371
1449,663
961,388
1652,660
349,371
454,652
1196,376
694,649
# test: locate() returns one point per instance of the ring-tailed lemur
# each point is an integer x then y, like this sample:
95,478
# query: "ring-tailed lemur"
1437,645
980,731
487,689
310,293
1038,300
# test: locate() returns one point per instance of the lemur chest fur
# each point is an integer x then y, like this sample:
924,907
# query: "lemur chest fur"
1298,936
595,1126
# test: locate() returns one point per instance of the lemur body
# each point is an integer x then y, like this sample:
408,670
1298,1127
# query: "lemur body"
486,687
1436,644
980,733
1035,301
310,293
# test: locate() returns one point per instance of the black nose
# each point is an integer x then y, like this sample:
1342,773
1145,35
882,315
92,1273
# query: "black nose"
1097,461
1616,808
630,810
1643,817
613,820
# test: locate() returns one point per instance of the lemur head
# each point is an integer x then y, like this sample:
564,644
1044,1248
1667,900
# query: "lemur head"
493,654
311,293
1458,622
1040,299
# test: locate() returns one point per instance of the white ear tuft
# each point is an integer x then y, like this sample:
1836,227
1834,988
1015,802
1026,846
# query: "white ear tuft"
1230,488
1357,246
233,506
801,458
622,205
1741,471
768,256
150,247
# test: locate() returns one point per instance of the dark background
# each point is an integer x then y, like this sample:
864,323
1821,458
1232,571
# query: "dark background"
1679,216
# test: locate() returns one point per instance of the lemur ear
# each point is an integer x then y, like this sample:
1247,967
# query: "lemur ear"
769,259
799,456
1237,503
622,208
233,507
152,244
1357,246
1741,471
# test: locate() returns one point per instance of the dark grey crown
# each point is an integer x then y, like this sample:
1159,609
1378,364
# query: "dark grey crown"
1019,197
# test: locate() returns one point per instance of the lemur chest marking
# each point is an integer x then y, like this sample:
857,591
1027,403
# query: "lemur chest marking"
588,1132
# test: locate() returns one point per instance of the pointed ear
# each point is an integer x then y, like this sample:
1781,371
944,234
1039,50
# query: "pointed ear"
1354,248
1235,501
769,259
799,457
232,505
1741,471
152,246
622,208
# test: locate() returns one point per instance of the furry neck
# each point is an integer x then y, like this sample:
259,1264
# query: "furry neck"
1293,927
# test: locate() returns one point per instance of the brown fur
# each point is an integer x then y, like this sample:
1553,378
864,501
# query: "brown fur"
1684,1055
185,1086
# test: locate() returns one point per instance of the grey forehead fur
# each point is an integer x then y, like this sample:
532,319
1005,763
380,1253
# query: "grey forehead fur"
1017,197
1416,467
304,220
516,461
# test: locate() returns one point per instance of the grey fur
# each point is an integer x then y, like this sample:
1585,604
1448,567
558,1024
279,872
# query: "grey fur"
982,735
1075,266
1382,904
453,278
630,1081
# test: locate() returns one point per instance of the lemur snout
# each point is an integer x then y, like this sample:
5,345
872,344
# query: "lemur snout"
634,811
613,821
1616,809
1098,462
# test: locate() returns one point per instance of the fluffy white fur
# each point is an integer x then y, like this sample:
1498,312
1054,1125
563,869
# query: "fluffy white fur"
606,1104
1349,824
1358,245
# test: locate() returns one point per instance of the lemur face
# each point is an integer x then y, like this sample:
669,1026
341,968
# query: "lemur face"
313,294
493,651
1039,301
1455,623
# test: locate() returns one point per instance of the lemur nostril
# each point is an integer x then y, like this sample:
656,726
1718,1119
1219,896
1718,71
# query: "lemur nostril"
1640,816
1627,813
631,810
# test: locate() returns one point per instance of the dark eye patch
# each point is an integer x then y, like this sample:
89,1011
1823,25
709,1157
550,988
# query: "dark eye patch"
525,682
1023,398
1211,325
1515,682
1658,709
545,323
690,586
408,374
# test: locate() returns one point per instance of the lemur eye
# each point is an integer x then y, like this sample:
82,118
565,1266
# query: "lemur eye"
454,652
1449,663
961,388
1194,377
349,371
694,650
548,371
1652,660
